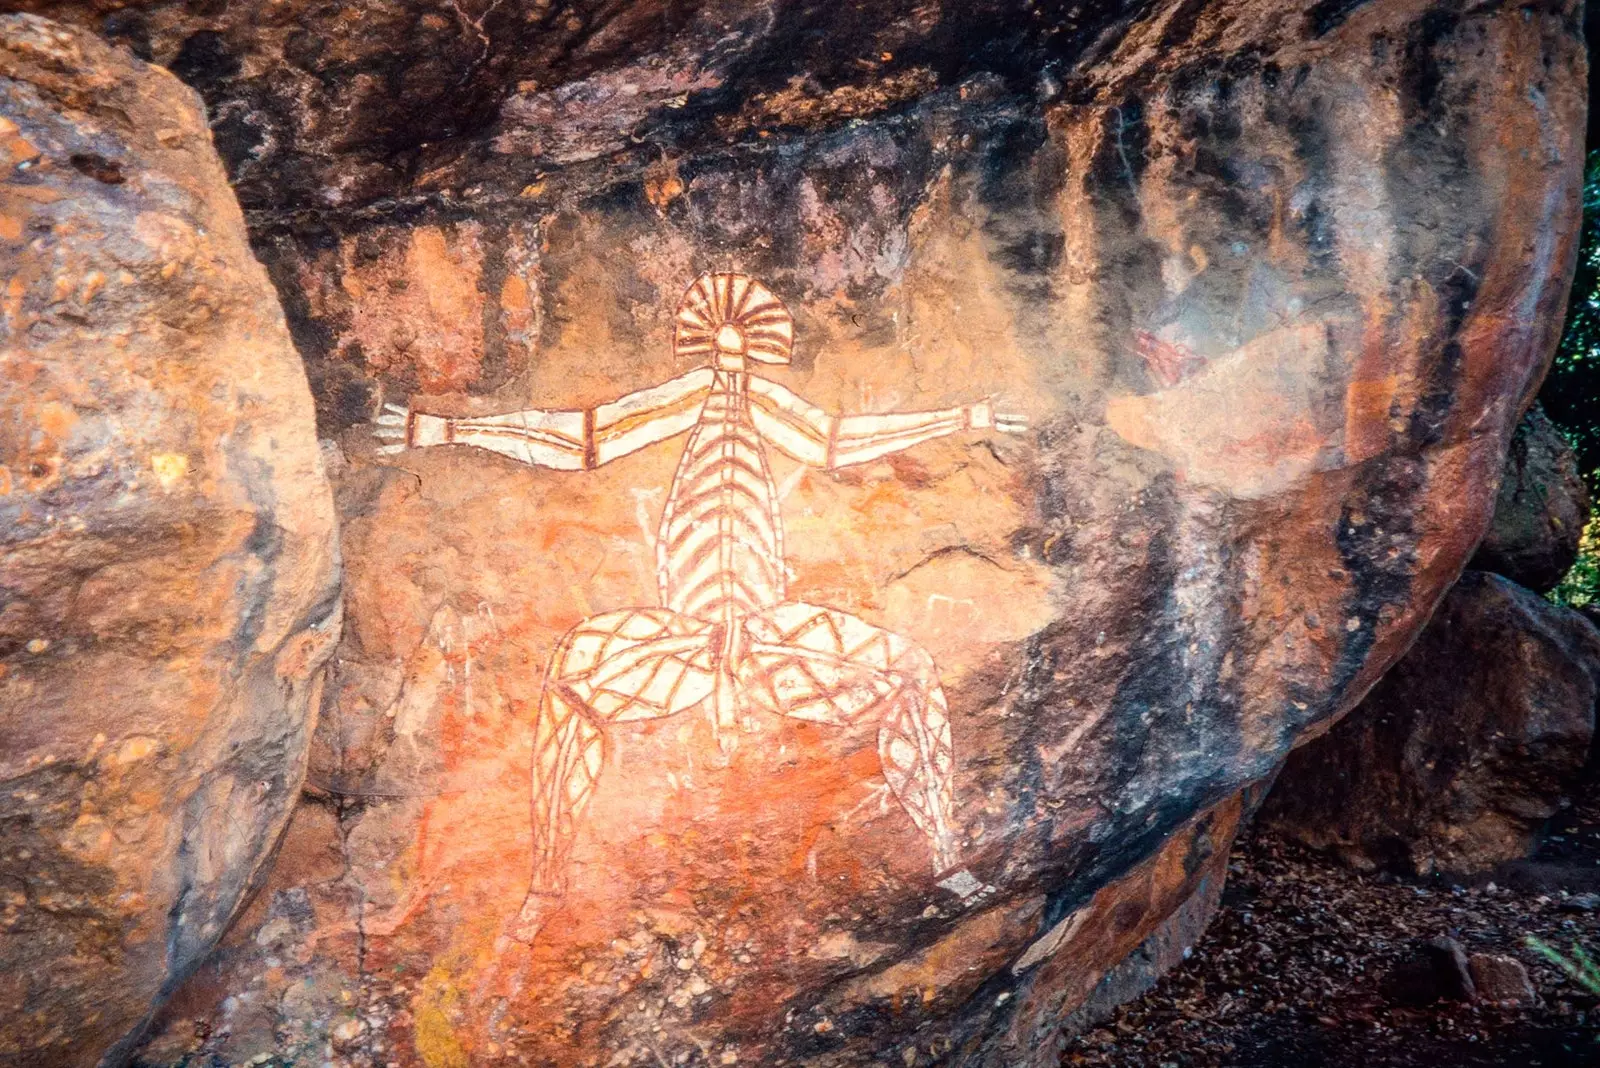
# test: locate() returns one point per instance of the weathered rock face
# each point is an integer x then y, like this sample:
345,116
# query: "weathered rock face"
1264,295
168,561
322,106
1464,750
1541,511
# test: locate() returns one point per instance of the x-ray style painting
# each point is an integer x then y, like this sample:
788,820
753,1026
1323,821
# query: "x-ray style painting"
725,636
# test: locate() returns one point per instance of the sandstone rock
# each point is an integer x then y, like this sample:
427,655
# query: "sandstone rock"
1541,511
1501,980
1269,291
168,564
1460,754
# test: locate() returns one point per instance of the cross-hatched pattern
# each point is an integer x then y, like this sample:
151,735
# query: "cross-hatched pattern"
639,663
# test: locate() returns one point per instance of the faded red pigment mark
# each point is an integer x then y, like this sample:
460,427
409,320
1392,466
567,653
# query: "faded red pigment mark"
1168,362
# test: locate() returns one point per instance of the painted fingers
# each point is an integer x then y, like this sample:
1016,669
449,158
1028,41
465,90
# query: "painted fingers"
391,428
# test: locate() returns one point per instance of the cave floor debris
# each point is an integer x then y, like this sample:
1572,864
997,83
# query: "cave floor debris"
1309,964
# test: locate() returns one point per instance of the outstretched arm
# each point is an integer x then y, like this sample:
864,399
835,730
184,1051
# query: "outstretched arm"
808,434
568,439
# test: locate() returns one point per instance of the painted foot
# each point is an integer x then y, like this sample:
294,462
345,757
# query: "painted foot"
536,909
968,888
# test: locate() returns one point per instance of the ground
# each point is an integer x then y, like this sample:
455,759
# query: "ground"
1305,966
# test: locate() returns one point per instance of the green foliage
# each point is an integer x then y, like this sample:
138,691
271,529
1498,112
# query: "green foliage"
1579,967
1571,392
1581,586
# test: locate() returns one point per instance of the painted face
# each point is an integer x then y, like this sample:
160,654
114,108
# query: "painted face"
730,319
729,342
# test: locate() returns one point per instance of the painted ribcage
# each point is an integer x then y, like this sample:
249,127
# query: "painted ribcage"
720,545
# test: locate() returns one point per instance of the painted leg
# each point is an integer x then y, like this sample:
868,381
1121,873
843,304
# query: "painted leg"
620,667
568,753
826,666
917,756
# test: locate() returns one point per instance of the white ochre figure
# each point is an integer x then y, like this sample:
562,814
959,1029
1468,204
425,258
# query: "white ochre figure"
725,634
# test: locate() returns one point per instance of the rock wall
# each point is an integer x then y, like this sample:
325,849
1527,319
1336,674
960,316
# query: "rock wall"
168,560
1229,312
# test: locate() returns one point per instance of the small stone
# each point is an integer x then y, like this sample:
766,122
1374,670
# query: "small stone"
1585,902
347,1034
1501,980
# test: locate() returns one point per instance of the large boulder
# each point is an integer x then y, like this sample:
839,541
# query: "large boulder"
1270,287
1541,510
168,560
1457,758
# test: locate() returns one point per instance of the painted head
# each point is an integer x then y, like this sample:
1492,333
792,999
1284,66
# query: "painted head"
733,319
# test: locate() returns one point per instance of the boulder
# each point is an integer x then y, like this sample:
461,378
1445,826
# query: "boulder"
168,559
1456,759
1541,510
1230,312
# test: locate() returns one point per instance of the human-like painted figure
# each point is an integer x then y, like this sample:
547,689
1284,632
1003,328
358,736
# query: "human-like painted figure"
725,631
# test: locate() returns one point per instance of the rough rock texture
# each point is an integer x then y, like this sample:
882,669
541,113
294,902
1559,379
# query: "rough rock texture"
1541,511
168,559
320,105
1169,944
1271,289
1466,747
1501,980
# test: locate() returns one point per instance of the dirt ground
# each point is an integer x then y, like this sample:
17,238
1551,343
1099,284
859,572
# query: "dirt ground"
1309,964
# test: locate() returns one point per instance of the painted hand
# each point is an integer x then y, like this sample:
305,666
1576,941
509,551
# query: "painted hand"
392,425
983,416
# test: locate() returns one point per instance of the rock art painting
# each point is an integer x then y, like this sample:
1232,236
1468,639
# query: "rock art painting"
725,637
800,645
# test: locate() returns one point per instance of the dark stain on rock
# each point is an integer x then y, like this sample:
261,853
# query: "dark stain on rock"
204,61
495,366
98,167
1377,544
1421,72
129,29
1325,16
1120,162
1305,119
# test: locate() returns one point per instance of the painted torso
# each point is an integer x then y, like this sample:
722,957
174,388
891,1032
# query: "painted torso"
720,543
